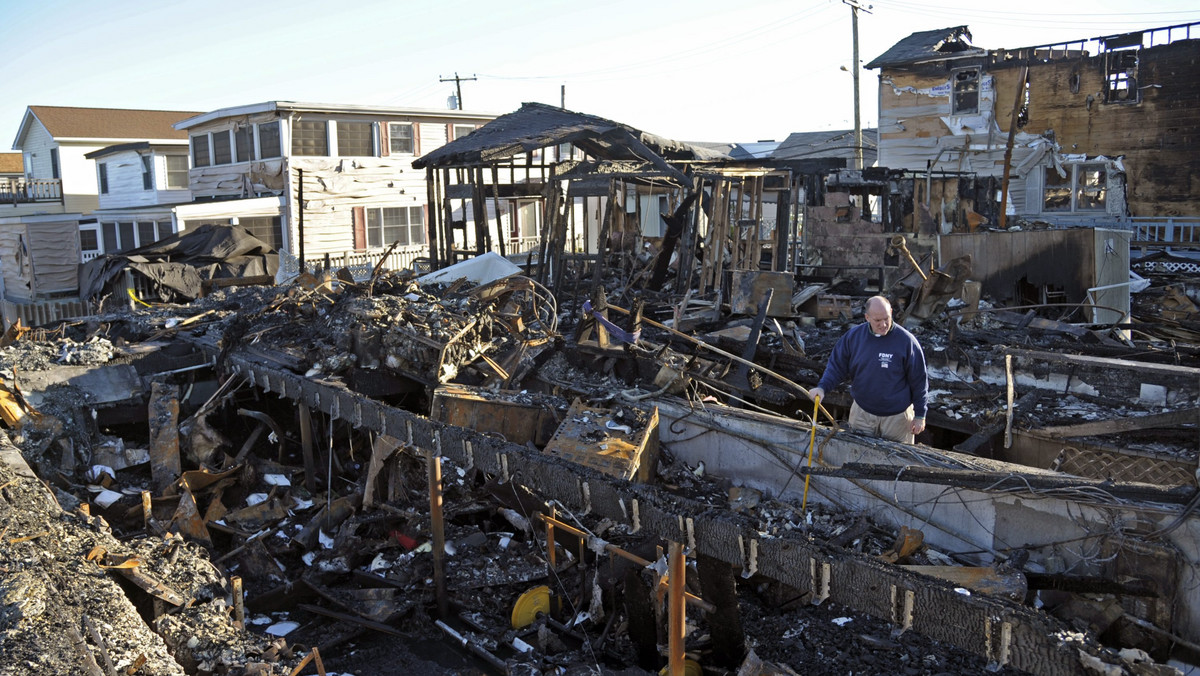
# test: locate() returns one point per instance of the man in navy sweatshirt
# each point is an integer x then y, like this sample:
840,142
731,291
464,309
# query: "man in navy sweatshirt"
886,369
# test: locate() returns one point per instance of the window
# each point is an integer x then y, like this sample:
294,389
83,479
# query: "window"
54,163
125,237
269,229
405,225
461,130
354,139
1084,187
200,154
222,150
89,240
177,171
146,232
309,138
268,140
400,137
1120,84
243,141
103,178
965,99
165,229
147,172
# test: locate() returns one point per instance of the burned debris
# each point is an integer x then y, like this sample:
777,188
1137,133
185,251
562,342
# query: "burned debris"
599,453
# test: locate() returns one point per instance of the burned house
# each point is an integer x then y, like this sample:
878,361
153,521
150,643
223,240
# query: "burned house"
1081,132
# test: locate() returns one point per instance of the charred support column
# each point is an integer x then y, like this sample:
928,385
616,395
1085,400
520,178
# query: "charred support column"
433,463
719,587
300,213
165,465
306,446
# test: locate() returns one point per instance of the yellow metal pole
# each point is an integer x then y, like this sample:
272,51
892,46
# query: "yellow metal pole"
812,439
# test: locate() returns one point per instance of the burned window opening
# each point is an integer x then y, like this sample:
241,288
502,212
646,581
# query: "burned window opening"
1081,187
1121,69
965,98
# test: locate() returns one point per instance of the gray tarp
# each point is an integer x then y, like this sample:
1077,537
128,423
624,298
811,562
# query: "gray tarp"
178,265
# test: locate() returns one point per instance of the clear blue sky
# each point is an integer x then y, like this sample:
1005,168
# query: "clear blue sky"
696,70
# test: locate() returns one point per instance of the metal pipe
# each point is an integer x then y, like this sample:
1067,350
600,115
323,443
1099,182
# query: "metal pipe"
473,647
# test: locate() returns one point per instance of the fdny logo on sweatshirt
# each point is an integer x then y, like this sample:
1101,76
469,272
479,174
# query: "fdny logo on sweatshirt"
885,360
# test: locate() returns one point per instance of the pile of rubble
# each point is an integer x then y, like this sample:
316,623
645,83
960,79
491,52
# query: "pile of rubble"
230,531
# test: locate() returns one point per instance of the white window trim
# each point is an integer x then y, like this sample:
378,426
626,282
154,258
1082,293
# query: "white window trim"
187,160
379,215
1073,182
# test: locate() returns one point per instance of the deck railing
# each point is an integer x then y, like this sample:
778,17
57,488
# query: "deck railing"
25,191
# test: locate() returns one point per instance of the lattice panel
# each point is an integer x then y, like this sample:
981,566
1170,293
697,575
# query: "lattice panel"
1101,465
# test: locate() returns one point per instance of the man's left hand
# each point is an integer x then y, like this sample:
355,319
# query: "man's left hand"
918,426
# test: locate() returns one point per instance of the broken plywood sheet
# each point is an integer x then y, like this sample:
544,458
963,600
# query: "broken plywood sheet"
108,384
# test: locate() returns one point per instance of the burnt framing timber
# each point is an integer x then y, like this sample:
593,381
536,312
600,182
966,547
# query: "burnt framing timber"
1003,632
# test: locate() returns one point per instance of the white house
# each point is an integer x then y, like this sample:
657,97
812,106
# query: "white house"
139,182
318,180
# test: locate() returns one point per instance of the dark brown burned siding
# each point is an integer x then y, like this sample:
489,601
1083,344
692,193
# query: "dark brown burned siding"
1159,136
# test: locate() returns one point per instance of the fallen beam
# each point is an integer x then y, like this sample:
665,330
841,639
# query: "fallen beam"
1145,422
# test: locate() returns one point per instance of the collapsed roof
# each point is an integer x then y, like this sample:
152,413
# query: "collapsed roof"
181,263
537,125
928,46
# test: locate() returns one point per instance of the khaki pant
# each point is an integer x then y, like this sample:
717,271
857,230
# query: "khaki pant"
895,427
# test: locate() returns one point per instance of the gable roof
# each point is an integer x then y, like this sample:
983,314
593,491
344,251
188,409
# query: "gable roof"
934,45
838,143
11,163
105,123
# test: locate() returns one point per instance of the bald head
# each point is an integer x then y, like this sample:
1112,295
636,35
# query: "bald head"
878,313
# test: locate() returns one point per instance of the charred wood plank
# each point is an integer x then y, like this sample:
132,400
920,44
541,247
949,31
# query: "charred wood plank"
1088,429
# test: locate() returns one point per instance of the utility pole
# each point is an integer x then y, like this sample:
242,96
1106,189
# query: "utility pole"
855,5
458,83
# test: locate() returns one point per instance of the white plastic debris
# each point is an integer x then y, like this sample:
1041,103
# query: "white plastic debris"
614,426
106,498
842,621
308,558
276,480
962,590
282,628
97,471
325,540
255,498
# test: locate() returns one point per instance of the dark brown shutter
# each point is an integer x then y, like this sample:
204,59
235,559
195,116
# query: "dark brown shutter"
359,220
385,144
416,126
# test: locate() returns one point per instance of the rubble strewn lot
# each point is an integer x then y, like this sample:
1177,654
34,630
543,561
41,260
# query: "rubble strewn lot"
106,568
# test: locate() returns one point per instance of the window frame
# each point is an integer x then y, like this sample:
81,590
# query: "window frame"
377,229
393,137
227,135
196,145
263,153
454,129
169,171
244,133
960,88
1121,76
300,124
370,128
147,172
1077,190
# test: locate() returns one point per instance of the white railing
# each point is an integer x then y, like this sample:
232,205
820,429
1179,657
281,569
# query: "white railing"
21,190
1166,230
359,263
